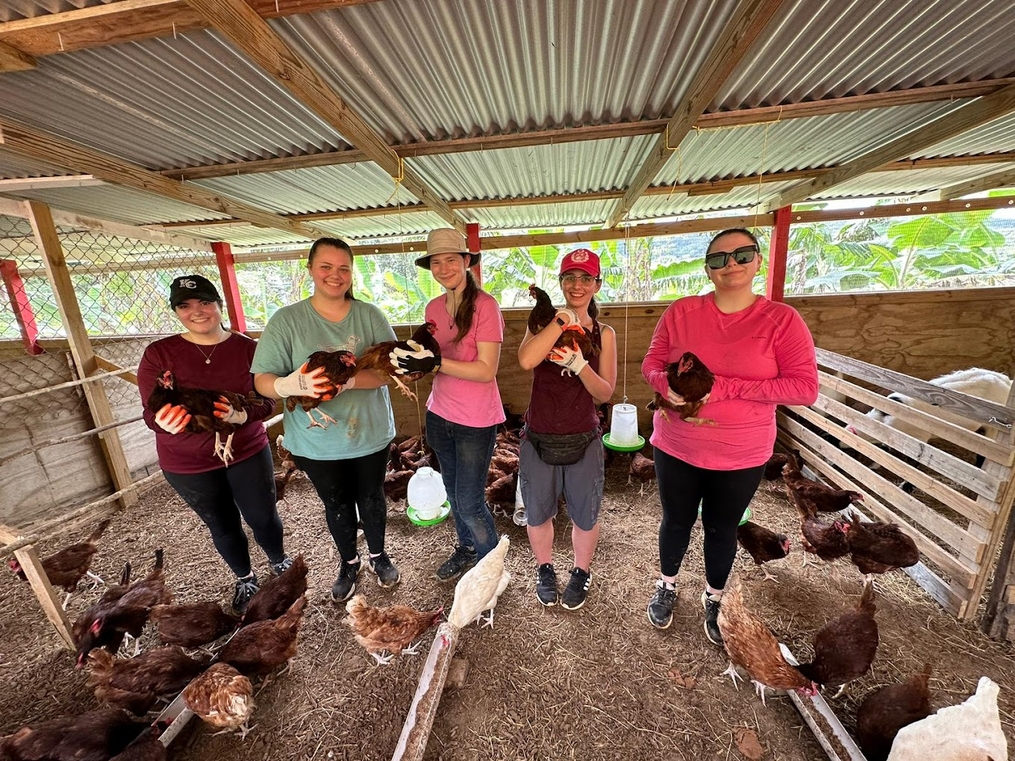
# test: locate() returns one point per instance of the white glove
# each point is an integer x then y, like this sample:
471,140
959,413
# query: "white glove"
172,418
302,383
568,358
225,412
569,315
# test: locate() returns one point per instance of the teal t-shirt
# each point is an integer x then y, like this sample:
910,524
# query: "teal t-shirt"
365,421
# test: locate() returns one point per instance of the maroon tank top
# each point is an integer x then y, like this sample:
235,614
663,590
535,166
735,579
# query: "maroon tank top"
560,403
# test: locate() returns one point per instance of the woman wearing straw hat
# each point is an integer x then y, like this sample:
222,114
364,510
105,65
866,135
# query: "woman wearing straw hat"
464,408
562,453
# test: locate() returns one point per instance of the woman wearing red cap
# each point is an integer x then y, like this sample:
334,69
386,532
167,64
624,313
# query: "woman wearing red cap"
208,356
561,451
464,408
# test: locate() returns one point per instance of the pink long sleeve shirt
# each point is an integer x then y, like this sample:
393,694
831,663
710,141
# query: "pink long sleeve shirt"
762,356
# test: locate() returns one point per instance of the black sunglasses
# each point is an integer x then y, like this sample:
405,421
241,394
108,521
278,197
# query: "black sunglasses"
742,255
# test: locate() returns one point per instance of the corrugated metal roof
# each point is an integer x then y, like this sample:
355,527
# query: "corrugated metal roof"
910,181
242,236
821,49
14,166
118,204
409,223
539,216
997,135
19,9
740,197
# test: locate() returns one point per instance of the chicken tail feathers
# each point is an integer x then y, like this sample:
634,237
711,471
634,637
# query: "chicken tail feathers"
866,604
125,576
159,561
96,535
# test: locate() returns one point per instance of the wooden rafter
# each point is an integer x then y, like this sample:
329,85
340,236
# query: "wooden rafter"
736,39
48,183
59,152
1002,179
127,20
14,59
251,34
979,111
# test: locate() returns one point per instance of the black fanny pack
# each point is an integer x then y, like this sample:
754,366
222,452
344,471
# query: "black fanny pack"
561,448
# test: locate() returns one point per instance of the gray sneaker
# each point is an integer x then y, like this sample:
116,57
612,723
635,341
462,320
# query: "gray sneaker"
387,574
246,588
711,605
660,607
281,566
345,584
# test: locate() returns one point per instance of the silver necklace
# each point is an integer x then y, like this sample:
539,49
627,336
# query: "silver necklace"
207,357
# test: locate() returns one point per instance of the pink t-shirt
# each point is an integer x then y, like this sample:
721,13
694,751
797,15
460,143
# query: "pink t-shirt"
762,356
466,402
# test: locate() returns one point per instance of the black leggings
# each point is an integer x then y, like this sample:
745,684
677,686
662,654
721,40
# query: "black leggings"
723,495
344,486
220,497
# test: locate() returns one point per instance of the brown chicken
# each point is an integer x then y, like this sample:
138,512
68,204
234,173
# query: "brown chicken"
126,613
396,484
689,378
887,710
339,367
378,357
134,684
501,490
845,647
573,336
282,480
815,497
93,736
389,630
148,747
84,635
221,696
278,594
200,403
826,540
642,468
67,567
878,547
752,647
773,468
262,647
762,544
193,624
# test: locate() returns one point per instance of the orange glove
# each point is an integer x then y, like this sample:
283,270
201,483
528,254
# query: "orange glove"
172,418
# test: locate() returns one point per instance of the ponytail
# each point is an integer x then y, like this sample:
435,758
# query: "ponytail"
466,308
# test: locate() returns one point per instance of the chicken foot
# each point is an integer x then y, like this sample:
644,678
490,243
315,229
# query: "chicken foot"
325,417
412,649
769,576
383,660
759,688
224,449
487,620
732,673
403,388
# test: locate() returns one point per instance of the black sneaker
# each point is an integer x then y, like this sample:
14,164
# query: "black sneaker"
546,585
711,605
576,590
345,584
246,588
660,607
462,559
387,574
281,566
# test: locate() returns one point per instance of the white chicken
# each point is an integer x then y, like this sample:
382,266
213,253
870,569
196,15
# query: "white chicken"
970,731
477,591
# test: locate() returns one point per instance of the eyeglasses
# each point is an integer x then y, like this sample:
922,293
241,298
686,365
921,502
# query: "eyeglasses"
743,255
583,279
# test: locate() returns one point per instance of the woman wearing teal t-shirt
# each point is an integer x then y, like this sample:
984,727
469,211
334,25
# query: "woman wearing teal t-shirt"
345,460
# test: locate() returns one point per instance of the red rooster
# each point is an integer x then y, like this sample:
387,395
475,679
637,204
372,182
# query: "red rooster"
200,405
542,314
688,378
339,367
377,357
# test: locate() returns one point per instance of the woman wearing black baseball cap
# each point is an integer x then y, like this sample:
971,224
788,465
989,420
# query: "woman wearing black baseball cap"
206,355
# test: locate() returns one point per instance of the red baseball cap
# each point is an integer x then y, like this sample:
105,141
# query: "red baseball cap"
581,259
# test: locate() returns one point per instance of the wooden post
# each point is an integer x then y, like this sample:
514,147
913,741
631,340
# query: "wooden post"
997,618
777,254
472,243
80,346
32,567
230,288
22,307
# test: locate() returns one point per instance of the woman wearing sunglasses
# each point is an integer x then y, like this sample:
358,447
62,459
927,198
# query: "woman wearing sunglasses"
762,355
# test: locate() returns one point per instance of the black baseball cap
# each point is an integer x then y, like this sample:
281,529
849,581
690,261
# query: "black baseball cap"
188,287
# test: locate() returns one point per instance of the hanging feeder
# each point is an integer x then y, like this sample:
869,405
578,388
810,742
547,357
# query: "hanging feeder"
427,499
623,434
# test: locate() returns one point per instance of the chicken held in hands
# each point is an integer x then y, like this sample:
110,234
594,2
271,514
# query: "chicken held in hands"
405,361
222,697
192,625
689,379
199,410
337,369
277,594
574,336
845,647
68,566
887,710
751,646
263,646
391,630
877,547
134,684
762,544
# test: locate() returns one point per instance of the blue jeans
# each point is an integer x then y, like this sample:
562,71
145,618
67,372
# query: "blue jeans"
464,455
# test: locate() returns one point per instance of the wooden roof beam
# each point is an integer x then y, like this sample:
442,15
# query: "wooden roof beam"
251,34
127,20
14,59
1002,179
51,149
979,111
736,39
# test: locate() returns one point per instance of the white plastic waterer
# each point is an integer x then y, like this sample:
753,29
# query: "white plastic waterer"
624,425
426,493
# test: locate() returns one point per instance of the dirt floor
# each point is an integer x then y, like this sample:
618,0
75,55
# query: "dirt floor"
599,683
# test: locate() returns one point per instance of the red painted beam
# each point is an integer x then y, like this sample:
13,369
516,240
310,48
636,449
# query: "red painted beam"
22,307
230,288
777,253
472,243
